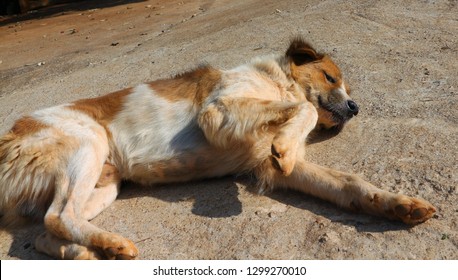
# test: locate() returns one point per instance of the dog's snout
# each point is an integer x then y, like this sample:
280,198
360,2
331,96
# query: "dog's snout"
352,107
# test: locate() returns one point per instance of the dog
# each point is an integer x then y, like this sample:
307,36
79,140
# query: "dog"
64,164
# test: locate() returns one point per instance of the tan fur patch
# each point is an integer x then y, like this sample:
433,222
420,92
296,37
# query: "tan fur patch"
108,176
325,118
312,74
195,85
55,226
27,126
104,108
27,171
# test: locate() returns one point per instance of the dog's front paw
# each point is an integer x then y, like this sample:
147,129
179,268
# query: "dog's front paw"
412,210
283,155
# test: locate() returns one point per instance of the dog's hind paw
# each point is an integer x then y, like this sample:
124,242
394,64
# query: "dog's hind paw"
121,253
64,249
117,247
124,251
412,210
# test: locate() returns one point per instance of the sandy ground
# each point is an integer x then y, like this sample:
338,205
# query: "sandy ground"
400,60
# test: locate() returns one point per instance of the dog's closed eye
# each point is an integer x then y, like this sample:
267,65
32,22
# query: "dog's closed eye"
329,78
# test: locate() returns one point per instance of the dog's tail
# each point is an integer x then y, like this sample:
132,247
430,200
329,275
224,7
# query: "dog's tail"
26,189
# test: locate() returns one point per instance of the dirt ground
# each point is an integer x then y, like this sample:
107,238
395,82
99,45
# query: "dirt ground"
400,60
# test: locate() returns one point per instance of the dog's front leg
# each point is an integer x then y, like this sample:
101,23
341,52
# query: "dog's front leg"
352,192
291,137
228,120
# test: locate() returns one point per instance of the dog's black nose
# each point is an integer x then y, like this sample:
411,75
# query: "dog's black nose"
352,107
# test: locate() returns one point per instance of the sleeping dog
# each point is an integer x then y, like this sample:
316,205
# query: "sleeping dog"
64,164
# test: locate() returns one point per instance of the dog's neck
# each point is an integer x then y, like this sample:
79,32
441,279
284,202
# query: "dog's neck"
277,69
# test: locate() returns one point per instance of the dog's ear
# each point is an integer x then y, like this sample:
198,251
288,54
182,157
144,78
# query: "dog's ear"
300,52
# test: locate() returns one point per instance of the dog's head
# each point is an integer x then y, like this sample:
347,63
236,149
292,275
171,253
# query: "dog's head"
322,82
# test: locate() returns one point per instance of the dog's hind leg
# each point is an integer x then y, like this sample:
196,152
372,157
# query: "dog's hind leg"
351,192
64,249
104,193
65,217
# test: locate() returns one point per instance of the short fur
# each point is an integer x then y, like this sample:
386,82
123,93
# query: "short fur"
65,163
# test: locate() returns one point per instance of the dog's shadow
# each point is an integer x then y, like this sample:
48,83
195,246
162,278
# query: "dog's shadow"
319,134
23,246
219,198
215,198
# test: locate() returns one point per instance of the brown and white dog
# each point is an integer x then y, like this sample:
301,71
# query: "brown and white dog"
65,163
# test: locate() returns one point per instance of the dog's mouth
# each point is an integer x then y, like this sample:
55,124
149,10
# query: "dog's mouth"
340,113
